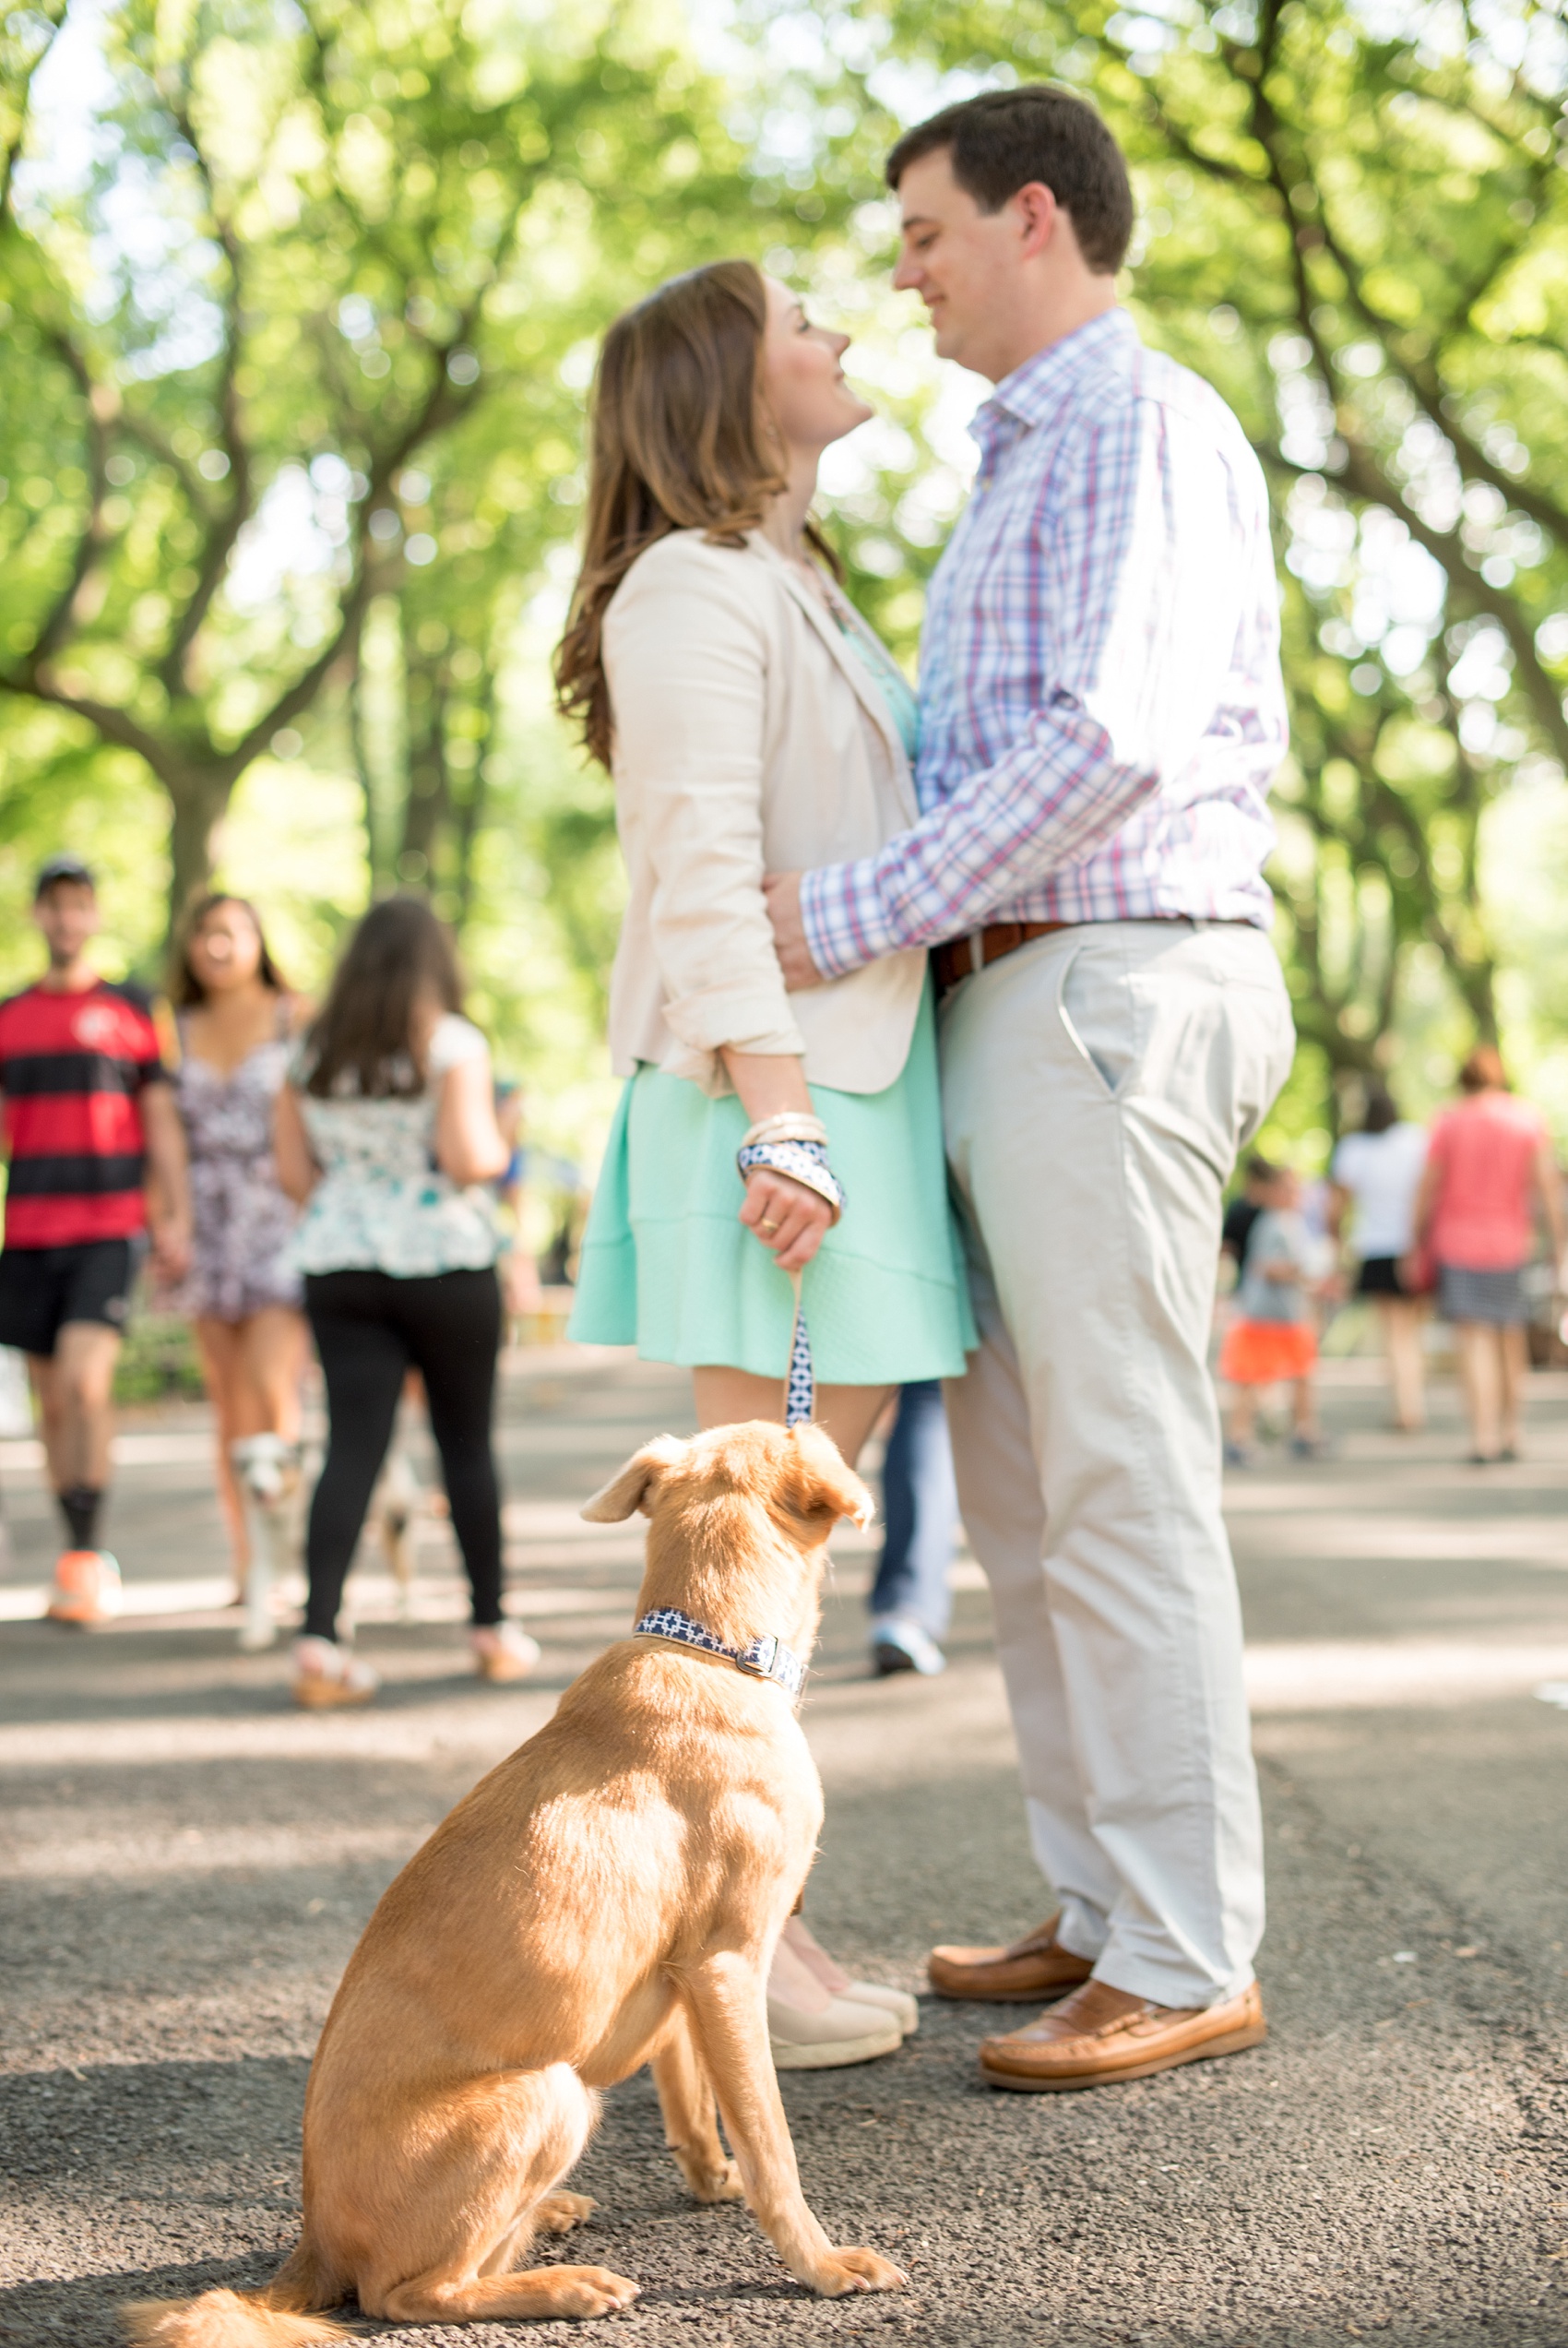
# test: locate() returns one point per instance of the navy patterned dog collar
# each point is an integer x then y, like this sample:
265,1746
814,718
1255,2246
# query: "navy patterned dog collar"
762,1659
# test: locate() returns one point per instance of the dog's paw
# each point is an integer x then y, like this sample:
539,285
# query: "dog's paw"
847,2271
559,2212
593,2291
711,2180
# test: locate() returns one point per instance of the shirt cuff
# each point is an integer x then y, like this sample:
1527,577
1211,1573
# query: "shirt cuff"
754,1021
842,914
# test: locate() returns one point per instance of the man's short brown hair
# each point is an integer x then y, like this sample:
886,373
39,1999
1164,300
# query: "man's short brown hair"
1007,139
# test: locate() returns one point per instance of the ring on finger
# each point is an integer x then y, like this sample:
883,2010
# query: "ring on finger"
767,1227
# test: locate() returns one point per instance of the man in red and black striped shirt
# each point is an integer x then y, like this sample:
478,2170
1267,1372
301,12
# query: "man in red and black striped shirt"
88,1114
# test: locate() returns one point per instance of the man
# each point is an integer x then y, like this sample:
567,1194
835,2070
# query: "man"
1102,711
86,1107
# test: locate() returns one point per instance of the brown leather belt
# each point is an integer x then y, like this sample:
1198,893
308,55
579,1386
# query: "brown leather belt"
962,956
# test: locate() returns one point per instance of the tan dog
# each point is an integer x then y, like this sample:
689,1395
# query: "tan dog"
610,1896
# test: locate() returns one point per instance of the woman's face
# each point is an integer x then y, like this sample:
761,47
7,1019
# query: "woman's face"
226,950
807,395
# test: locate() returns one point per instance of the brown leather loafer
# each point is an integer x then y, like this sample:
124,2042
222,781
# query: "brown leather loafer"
1033,1967
1100,2035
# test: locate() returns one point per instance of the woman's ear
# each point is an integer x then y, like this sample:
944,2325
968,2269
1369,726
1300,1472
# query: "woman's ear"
813,1482
631,1489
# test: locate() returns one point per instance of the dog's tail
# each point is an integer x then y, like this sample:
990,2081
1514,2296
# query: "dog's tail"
276,2317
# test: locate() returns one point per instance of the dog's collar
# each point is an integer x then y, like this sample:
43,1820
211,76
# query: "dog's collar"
760,1659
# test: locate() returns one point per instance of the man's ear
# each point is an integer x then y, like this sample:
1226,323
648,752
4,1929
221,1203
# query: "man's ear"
630,1489
814,1482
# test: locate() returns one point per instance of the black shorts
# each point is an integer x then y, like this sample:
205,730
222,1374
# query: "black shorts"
1380,1277
42,1288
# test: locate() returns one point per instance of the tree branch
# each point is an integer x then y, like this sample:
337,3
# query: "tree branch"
114,724
10,154
222,530
100,403
1425,386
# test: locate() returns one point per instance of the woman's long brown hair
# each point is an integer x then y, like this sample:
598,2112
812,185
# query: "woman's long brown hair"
681,440
362,1041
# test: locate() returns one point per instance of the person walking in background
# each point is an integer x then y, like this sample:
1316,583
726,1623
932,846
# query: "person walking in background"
237,1021
1102,713
385,1134
96,1159
1376,1174
1490,1163
1242,1213
751,717
1272,1338
911,1601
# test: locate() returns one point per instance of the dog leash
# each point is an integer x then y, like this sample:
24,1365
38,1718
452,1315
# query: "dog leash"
800,1390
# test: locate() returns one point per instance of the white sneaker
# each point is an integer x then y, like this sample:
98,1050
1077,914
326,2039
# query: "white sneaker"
845,2032
328,1675
87,1588
897,2002
503,1652
898,1645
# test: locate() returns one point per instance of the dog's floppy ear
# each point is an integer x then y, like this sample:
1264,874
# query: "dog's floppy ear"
630,1489
814,1480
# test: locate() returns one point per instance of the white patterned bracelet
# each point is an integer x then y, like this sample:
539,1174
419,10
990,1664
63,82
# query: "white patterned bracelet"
802,1161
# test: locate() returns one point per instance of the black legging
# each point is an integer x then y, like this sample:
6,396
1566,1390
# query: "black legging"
371,1330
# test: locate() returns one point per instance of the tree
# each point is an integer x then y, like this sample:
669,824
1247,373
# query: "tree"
324,370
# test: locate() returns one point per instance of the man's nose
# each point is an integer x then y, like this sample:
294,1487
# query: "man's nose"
907,274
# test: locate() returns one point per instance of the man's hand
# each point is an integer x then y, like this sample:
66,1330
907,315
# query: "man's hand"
171,1237
782,893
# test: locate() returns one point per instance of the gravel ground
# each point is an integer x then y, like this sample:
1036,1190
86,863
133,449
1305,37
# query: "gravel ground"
187,1863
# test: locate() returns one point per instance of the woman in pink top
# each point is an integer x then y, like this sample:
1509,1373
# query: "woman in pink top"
1489,1162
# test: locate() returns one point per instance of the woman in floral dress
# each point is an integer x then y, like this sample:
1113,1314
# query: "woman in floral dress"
236,1023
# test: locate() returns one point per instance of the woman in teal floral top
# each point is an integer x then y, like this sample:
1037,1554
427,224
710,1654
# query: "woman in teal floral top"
387,1133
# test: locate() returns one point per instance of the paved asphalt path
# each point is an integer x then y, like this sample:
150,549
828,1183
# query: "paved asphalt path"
188,1862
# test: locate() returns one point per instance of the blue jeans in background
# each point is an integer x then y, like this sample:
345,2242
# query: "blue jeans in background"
920,1507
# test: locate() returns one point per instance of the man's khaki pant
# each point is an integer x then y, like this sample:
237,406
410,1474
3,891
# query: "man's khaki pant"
1096,1086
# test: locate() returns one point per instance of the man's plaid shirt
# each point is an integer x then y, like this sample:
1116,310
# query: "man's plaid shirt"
1101,696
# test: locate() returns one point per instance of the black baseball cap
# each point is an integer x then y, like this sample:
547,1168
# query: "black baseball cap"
62,868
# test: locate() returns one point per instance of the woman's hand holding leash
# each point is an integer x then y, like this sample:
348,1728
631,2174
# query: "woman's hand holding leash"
791,1196
786,1217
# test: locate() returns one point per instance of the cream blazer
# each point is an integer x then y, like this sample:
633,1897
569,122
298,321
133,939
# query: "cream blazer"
748,738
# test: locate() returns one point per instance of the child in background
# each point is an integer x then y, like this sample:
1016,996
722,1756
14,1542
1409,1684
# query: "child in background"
1272,1338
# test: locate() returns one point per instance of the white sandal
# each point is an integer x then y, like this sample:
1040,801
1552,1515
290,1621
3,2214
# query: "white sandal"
327,1675
503,1652
845,2032
897,2002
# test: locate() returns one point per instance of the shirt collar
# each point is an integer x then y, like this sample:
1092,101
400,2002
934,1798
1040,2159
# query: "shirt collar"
1031,393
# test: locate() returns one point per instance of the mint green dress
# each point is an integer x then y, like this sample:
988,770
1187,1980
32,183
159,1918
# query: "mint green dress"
667,1266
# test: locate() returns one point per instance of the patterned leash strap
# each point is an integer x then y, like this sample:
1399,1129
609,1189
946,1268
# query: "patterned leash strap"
800,1392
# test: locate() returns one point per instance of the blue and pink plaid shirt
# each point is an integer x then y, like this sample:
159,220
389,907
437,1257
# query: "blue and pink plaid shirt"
1101,702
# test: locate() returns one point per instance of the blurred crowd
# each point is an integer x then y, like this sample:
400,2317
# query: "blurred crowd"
346,1183
1464,1219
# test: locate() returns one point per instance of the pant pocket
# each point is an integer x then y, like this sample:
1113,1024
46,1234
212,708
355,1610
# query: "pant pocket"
1097,1009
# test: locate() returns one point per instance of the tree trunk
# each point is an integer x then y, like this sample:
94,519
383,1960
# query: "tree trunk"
200,796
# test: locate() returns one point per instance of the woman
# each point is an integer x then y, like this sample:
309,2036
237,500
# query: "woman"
384,1131
1376,1174
235,1019
751,722
1489,1162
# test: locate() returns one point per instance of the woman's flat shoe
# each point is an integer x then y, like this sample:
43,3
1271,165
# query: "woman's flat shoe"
502,1652
904,2008
845,2032
327,1675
